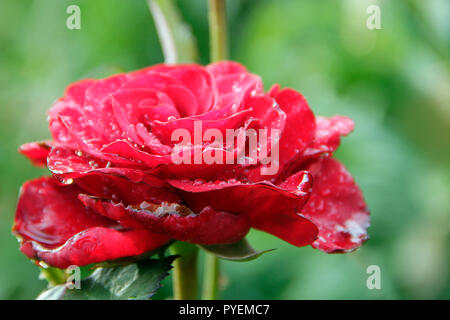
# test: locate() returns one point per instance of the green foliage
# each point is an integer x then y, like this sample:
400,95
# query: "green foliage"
137,281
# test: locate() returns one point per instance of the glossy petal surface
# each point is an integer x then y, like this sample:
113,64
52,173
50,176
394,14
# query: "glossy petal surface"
55,227
337,207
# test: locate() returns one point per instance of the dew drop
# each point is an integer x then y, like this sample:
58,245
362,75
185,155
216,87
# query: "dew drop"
67,181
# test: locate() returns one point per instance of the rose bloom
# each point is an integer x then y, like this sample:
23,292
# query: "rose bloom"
115,191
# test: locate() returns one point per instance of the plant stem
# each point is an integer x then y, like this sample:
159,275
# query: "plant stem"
218,38
211,277
218,30
54,276
184,277
177,41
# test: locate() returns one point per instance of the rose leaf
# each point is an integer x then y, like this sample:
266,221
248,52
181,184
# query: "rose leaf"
238,251
137,281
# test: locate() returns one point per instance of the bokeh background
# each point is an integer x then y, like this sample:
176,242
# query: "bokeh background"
394,82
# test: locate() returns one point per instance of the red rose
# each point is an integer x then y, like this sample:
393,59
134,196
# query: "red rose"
116,190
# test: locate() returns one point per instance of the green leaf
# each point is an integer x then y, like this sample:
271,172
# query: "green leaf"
238,251
134,281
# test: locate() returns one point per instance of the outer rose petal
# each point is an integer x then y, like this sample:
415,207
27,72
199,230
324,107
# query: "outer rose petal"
37,152
271,208
337,207
328,135
177,221
55,227
71,164
74,97
122,190
300,125
96,245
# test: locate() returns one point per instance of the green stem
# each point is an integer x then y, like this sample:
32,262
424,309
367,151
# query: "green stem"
218,38
211,277
54,276
218,30
184,277
177,41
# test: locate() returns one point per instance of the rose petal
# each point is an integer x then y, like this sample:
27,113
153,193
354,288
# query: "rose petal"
271,208
200,83
224,68
337,207
96,245
99,123
142,105
37,152
328,135
74,97
164,130
184,100
54,226
177,221
234,84
70,164
151,189
300,126
131,154
133,108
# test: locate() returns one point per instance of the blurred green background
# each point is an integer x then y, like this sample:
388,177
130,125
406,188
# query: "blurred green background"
394,82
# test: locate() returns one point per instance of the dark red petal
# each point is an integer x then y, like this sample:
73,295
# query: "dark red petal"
300,125
151,189
337,207
97,245
108,209
177,221
37,152
267,115
328,135
55,227
51,214
271,208
71,164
